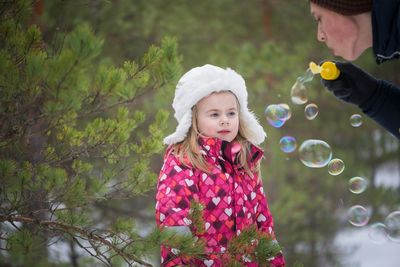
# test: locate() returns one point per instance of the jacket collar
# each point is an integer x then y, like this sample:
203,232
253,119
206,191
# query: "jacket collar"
210,146
386,29
216,147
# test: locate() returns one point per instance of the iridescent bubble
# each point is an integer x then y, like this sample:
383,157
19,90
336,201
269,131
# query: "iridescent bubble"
276,123
358,215
315,153
377,233
335,166
277,114
306,77
288,144
311,111
355,120
357,184
286,113
392,223
298,93
277,111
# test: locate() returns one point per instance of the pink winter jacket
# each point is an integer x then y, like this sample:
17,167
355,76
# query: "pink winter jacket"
232,200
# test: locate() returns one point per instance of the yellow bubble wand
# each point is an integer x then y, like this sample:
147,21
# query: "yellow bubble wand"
327,70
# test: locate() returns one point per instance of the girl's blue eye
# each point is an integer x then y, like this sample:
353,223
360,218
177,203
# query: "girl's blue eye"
232,113
214,114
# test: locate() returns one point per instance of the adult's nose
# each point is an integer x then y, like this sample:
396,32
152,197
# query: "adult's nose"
321,35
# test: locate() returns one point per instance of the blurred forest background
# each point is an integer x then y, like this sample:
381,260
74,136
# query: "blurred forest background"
86,89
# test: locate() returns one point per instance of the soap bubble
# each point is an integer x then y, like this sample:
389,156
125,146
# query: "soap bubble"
286,111
288,144
277,114
377,233
298,93
277,111
276,123
392,223
311,111
357,185
315,153
306,77
358,215
335,166
355,120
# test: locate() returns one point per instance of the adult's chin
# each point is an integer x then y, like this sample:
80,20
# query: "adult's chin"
348,56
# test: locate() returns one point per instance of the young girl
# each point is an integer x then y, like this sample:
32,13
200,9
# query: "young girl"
212,159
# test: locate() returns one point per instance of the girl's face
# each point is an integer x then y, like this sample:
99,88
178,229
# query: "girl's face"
218,116
339,33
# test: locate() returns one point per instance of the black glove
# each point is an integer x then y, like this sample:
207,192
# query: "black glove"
353,85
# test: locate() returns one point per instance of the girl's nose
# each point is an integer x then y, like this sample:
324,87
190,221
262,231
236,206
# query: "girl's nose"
224,121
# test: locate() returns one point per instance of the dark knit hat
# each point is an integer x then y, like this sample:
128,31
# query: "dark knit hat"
345,7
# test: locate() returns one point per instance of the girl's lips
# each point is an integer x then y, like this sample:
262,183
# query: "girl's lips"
224,132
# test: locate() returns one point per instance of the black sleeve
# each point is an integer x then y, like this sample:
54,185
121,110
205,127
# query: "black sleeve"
384,107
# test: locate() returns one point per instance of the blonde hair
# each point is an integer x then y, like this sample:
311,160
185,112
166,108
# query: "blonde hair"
189,153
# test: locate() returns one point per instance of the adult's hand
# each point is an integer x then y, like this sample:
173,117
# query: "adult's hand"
353,85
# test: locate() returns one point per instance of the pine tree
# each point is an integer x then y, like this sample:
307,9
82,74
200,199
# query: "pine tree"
72,136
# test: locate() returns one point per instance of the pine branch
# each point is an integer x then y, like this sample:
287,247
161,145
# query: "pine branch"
89,252
78,231
126,102
62,80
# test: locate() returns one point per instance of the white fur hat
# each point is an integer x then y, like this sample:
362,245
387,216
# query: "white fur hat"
200,82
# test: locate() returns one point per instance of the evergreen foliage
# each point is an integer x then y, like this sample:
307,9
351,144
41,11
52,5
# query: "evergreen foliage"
73,136
250,245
